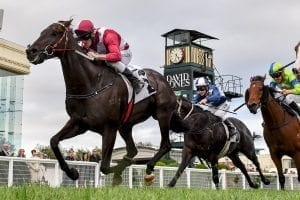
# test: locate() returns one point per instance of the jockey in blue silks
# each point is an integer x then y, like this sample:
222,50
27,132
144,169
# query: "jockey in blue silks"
214,101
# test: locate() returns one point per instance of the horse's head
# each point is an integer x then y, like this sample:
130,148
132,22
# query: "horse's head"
255,94
51,43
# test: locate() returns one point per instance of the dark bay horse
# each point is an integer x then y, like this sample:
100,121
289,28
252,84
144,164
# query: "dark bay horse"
206,139
96,99
281,127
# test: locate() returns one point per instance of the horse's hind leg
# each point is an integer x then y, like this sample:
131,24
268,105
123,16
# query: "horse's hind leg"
238,163
70,130
186,157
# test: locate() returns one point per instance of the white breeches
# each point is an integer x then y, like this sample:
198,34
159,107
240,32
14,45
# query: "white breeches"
120,66
219,111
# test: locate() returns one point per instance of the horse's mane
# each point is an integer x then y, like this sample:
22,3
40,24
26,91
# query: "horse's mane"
211,117
258,78
272,91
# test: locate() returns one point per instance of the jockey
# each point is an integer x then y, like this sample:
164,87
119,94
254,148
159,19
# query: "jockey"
107,45
214,100
284,81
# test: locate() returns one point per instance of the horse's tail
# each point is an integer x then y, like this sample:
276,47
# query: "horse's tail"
177,124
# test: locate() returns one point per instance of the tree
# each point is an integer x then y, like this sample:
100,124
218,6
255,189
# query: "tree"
46,150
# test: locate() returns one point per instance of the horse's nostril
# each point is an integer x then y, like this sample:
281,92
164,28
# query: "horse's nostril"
31,50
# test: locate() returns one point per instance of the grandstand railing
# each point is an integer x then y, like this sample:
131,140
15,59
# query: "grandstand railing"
15,171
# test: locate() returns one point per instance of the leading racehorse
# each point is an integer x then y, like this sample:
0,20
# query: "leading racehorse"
96,99
281,126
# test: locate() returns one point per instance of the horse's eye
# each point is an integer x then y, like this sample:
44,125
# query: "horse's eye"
54,33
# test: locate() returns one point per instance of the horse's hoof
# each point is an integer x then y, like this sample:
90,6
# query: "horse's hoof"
117,180
149,179
267,182
254,185
74,175
170,185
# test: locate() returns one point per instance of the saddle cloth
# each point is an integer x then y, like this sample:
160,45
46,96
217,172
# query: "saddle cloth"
144,93
233,139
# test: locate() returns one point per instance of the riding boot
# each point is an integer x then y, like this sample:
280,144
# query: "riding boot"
136,83
232,129
295,107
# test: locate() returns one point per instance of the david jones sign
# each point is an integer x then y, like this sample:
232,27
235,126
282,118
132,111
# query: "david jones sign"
179,80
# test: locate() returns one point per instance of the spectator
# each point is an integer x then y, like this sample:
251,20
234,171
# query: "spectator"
21,172
5,151
86,171
71,155
95,156
35,167
21,153
85,156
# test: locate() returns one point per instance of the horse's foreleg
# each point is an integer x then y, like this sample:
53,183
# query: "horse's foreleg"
185,159
126,134
238,163
296,159
277,161
165,145
70,130
108,142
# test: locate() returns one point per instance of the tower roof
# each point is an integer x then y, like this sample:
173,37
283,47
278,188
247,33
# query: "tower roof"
194,34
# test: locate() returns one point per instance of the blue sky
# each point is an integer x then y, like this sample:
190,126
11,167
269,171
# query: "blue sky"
252,34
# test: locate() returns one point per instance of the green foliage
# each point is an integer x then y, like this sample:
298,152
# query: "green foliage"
160,163
46,150
168,162
200,166
223,166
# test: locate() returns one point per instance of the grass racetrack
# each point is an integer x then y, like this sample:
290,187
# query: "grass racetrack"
119,193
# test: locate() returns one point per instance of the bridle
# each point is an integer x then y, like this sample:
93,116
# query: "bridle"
179,102
263,103
51,48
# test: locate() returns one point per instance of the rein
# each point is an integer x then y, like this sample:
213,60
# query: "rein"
50,49
264,103
207,128
179,109
286,122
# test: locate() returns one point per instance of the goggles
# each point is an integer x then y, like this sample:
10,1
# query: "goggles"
84,35
276,74
201,88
